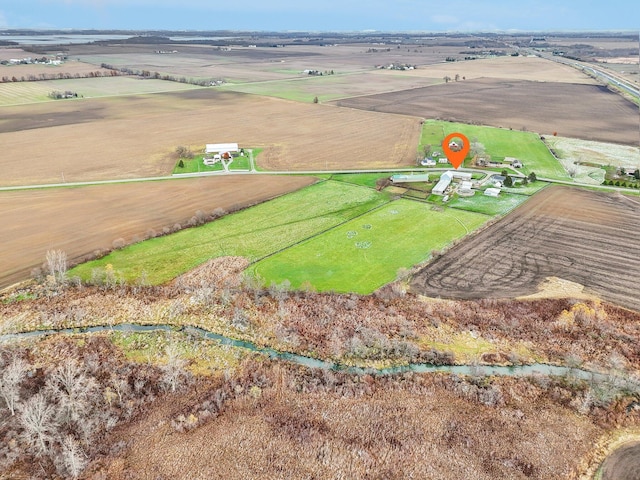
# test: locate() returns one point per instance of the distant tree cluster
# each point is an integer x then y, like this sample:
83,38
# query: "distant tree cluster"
166,77
57,76
318,72
57,95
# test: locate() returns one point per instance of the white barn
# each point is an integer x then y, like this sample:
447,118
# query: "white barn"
221,148
443,183
492,192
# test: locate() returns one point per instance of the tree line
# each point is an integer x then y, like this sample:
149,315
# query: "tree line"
59,76
165,76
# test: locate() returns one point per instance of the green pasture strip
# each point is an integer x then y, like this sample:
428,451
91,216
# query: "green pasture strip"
302,89
252,233
38,91
528,189
366,253
499,143
23,92
364,179
480,203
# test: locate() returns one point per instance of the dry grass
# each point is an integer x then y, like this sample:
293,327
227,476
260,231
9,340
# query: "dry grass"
322,425
575,150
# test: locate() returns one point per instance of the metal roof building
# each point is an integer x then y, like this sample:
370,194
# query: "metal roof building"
221,148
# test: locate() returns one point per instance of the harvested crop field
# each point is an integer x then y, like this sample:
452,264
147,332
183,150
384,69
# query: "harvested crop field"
590,112
508,68
83,220
248,64
136,136
582,236
332,87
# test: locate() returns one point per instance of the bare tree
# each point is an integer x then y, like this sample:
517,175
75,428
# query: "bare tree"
73,390
57,265
10,380
477,148
38,421
174,375
73,457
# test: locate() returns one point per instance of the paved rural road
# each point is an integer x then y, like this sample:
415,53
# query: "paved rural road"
596,71
601,73
222,173
179,176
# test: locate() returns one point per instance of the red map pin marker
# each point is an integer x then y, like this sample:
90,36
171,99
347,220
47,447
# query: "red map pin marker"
455,152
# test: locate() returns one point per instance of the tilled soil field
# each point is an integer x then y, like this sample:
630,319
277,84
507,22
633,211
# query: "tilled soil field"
590,112
80,221
136,136
582,236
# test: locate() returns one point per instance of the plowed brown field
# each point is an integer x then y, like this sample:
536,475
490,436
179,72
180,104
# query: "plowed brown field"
81,220
589,112
582,236
136,136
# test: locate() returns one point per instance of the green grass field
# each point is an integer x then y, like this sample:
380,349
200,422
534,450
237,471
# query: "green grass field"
488,205
252,233
365,179
303,89
499,143
34,92
367,252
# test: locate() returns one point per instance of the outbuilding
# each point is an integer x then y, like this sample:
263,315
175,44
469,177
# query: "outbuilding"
221,148
443,183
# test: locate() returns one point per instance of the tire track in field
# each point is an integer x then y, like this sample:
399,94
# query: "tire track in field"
585,237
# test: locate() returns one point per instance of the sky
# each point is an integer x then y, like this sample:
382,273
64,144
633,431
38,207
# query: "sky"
323,15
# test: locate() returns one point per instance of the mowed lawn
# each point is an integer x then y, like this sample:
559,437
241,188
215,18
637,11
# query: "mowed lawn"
366,253
252,233
500,143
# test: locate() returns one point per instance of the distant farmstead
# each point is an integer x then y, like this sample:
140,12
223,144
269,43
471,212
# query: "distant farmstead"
446,178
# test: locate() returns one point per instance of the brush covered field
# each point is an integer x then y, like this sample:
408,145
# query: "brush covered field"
214,413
